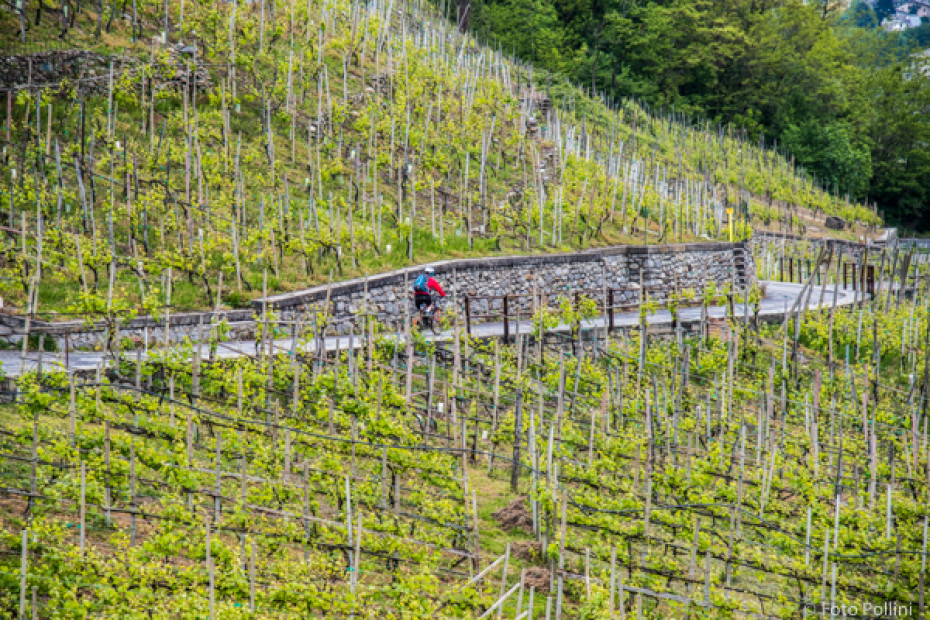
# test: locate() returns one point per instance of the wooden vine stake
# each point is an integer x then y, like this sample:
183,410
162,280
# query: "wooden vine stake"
83,507
252,575
518,425
23,566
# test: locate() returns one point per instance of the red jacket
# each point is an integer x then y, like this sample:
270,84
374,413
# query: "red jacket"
432,285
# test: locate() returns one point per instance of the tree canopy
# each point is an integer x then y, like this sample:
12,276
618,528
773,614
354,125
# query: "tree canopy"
825,82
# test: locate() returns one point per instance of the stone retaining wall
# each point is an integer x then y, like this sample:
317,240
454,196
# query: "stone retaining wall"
660,268
52,67
79,335
91,71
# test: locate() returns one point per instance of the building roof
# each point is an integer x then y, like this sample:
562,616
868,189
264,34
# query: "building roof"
901,21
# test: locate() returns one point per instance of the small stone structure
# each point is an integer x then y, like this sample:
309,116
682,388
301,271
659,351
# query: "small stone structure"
46,68
91,71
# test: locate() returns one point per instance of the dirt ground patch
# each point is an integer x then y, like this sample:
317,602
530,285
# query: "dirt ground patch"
538,577
526,550
12,510
515,516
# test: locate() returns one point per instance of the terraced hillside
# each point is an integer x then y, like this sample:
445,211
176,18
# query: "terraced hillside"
308,139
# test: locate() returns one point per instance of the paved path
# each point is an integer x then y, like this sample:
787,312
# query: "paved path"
779,299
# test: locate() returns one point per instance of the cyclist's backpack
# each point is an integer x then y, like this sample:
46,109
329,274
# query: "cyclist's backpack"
420,284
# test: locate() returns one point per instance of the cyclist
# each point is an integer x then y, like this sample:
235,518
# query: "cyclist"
423,288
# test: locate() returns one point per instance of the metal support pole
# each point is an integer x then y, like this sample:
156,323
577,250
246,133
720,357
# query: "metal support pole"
467,315
610,310
506,318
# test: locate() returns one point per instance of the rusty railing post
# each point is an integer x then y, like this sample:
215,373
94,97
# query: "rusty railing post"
610,310
506,318
467,315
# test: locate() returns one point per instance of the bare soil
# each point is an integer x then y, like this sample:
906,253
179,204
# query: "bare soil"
515,516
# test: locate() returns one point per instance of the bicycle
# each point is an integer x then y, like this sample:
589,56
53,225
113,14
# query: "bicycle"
428,317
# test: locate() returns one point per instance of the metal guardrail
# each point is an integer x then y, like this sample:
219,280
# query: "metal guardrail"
860,277
605,306
922,244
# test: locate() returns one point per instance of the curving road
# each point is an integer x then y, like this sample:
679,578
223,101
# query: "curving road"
780,298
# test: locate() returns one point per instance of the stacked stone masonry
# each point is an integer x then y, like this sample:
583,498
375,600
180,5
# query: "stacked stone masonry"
91,71
661,269
76,335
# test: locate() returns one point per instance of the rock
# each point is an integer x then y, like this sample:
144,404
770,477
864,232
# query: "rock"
835,223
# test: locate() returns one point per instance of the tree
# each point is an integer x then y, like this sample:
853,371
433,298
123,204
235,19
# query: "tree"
831,153
529,28
883,9
900,134
919,37
797,71
861,15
